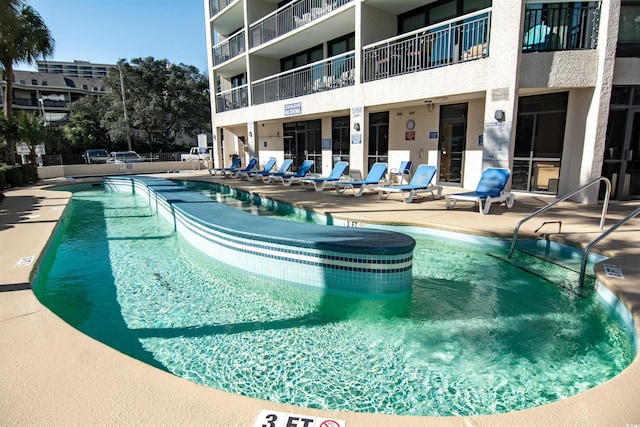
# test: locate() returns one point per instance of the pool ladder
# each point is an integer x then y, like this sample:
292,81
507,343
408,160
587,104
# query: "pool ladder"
588,248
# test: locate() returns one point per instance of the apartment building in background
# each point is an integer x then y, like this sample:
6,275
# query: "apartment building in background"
50,95
74,69
550,90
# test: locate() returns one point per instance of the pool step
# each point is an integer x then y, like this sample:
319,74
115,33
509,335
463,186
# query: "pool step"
560,272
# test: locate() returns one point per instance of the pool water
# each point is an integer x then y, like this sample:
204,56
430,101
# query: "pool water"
477,336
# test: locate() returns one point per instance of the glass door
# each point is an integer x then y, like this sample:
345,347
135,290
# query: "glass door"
302,141
340,143
622,153
378,139
453,130
539,143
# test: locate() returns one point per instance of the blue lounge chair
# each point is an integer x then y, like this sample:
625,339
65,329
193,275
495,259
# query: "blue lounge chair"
250,166
403,173
284,169
265,170
373,179
420,183
289,178
235,165
490,190
321,182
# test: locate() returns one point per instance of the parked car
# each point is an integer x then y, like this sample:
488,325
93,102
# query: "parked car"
96,156
125,157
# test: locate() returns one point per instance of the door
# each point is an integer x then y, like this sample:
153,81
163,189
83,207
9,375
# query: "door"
302,141
622,153
453,129
539,142
378,139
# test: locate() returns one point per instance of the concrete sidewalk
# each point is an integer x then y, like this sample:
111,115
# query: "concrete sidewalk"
51,374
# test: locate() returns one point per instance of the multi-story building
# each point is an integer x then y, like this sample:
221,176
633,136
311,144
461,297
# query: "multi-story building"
74,69
550,90
50,95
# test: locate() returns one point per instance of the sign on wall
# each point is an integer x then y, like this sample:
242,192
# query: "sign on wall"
294,109
495,143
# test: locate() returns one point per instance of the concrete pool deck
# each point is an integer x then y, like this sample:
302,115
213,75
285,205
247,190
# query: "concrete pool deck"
51,374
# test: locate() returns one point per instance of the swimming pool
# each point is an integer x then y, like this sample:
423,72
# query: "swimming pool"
461,344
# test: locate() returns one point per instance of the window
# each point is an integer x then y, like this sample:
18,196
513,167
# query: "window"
629,33
239,80
437,12
301,58
342,44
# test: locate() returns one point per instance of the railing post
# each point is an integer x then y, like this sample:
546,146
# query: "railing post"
565,197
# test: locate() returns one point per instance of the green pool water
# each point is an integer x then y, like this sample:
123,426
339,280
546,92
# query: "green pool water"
477,336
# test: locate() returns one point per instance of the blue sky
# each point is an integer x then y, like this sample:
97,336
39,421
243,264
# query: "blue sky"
103,31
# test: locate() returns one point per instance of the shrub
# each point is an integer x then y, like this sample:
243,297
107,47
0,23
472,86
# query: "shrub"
13,175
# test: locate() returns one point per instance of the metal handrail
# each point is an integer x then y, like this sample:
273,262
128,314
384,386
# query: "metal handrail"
605,205
587,249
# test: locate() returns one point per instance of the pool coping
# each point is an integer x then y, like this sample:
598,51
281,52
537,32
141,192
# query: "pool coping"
54,375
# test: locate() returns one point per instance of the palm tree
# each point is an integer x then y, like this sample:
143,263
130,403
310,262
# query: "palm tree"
23,38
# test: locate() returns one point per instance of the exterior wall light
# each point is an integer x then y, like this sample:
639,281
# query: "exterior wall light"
429,104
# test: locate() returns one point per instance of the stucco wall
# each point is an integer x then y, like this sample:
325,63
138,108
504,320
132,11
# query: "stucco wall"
572,68
115,169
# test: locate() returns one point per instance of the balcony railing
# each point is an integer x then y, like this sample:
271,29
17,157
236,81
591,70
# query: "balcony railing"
464,38
228,49
328,74
217,5
26,102
562,27
290,17
232,99
50,103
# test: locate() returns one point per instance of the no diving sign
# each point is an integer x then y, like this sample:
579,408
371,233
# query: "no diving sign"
282,419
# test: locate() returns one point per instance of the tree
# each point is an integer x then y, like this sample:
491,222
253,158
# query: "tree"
8,130
23,38
163,100
85,130
8,9
32,131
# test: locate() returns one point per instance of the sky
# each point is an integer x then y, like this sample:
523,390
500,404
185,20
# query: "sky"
104,31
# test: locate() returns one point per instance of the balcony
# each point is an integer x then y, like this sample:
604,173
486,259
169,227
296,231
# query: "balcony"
228,49
289,18
561,27
328,74
232,99
54,104
25,102
217,5
461,39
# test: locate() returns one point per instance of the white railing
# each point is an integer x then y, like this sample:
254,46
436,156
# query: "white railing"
229,48
327,74
463,38
232,99
290,17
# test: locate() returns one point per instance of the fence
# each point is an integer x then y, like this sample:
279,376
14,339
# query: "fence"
78,159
